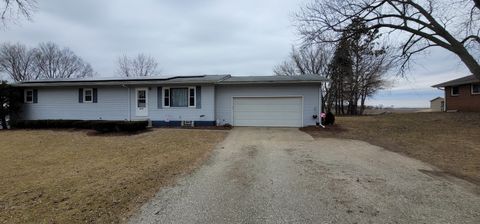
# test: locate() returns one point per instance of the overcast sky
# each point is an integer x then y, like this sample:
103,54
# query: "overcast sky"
191,37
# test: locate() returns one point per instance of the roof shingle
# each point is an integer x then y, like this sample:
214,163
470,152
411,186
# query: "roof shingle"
201,79
460,81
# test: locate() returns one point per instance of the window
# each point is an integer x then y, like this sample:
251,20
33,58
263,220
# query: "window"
29,96
166,97
142,98
191,97
179,97
475,89
455,91
88,95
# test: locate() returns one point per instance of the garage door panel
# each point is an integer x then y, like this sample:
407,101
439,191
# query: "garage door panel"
271,116
273,102
268,111
265,122
272,109
270,99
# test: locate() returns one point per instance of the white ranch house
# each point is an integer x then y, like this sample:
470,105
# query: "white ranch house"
206,100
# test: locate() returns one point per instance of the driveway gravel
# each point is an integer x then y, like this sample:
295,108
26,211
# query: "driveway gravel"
282,175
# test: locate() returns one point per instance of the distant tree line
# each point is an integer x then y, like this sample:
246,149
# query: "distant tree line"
50,61
46,61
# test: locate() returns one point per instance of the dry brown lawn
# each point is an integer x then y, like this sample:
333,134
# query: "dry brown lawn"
449,141
71,176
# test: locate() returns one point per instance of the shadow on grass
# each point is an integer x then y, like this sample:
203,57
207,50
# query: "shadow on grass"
118,133
328,131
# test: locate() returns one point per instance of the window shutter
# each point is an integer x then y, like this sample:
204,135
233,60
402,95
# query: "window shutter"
80,95
35,96
95,98
159,97
198,96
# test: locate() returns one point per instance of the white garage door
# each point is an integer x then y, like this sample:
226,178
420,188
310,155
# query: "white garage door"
267,111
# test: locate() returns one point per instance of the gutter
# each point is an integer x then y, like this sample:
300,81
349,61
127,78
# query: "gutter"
269,82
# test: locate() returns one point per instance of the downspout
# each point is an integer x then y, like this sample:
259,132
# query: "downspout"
445,99
320,105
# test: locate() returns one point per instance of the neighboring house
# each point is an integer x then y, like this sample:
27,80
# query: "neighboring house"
462,94
207,100
437,104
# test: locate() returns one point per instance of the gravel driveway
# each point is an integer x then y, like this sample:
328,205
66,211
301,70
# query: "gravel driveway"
276,175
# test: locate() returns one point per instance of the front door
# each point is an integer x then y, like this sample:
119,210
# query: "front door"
141,102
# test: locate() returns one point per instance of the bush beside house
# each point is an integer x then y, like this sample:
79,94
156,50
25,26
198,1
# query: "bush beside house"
100,126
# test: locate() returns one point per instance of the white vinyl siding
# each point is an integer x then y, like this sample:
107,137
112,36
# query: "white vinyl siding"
62,103
267,111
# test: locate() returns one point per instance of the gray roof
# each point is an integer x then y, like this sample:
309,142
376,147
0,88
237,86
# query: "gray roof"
200,79
274,79
461,81
438,98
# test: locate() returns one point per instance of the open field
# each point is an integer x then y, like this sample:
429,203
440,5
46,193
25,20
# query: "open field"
449,141
76,177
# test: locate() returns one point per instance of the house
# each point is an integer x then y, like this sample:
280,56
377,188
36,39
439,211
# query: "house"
437,104
462,94
206,100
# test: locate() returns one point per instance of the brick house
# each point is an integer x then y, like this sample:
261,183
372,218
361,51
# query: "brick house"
462,94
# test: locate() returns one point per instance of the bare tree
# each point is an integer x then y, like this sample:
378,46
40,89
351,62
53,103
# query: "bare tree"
369,70
452,25
12,10
310,59
17,62
53,62
141,65
48,61
124,67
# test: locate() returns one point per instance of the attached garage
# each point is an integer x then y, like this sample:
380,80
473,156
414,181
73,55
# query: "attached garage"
268,111
268,105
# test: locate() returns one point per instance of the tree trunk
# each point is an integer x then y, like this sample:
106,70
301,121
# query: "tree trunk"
362,104
468,59
4,123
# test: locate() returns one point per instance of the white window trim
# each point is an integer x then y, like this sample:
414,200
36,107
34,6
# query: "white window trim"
451,91
25,96
85,95
146,96
188,99
471,89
